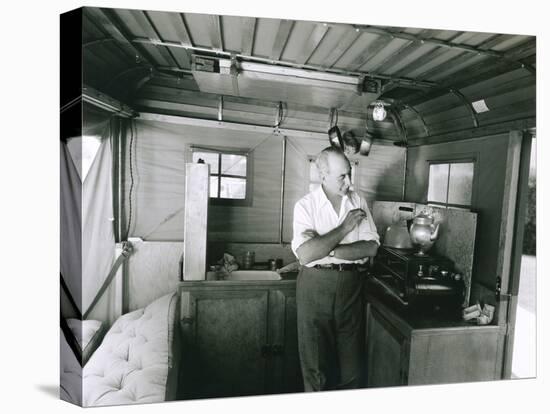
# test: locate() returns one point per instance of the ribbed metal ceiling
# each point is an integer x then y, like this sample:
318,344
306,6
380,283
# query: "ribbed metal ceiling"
138,56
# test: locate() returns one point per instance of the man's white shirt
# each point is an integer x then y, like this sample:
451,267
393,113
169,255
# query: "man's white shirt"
315,212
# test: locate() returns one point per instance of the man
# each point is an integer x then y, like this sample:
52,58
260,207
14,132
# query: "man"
333,233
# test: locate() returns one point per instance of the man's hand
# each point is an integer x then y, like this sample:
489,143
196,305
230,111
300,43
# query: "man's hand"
353,218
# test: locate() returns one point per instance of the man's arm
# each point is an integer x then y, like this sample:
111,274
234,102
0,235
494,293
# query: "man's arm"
356,250
320,246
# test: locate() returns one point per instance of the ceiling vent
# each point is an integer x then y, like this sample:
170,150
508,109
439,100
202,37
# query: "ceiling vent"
371,86
205,64
480,106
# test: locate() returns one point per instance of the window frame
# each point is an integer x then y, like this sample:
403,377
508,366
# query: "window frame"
463,159
219,201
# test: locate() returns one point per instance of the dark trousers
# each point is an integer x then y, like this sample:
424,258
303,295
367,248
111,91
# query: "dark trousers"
330,328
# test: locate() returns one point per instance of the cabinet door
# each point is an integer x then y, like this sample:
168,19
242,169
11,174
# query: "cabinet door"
226,353
284,363
387,352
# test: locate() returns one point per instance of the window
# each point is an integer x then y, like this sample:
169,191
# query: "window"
451,184
229,171
315,180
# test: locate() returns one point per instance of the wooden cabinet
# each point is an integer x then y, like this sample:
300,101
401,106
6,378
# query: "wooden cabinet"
387,350
240,338
403,349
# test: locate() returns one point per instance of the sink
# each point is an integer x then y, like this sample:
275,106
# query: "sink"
246,275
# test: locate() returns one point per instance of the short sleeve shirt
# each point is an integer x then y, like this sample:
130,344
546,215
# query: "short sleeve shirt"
315,212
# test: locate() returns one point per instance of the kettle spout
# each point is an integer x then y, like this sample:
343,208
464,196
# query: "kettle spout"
435,233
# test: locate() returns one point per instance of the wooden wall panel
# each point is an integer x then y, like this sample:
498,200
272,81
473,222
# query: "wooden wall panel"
197,193
491,154
380,176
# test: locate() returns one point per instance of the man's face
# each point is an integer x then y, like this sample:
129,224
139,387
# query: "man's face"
337,180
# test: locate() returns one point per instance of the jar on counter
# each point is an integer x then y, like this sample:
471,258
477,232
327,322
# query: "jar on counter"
248,260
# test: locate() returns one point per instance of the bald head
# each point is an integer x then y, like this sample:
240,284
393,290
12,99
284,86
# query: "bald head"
334,170
328,156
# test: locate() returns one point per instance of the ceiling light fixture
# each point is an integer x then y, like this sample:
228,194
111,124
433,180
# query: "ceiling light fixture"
379,113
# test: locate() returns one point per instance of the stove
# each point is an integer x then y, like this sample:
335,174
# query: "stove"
415,279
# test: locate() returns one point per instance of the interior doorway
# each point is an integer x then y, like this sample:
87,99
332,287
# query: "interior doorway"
525,344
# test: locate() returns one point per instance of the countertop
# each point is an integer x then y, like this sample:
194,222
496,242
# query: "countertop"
416,318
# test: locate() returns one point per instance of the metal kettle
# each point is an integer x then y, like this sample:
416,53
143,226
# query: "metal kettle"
423,233
397,234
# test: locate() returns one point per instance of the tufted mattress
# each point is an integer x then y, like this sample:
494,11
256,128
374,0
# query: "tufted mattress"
137,361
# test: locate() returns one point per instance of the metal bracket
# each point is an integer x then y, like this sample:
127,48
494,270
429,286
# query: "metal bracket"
187,321
234,72
467,103
498,289
420,117
360,83
127,248
220,108
279,116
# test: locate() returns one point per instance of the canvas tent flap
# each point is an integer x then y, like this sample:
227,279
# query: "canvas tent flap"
98,242
71,225
87,235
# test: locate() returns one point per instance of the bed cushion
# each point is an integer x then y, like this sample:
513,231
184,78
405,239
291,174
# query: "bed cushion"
135,362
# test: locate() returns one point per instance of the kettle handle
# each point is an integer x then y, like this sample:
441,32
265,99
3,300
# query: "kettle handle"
435,232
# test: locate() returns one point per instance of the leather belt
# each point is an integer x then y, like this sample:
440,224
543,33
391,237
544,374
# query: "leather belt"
338,266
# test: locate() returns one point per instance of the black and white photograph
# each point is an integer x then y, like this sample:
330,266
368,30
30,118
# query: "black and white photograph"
290,205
